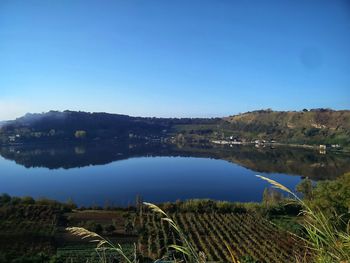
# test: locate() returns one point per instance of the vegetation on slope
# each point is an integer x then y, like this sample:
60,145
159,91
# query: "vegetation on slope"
319,126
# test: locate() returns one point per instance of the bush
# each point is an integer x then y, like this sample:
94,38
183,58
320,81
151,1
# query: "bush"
109,228
93,226
333,196
27,200
5,199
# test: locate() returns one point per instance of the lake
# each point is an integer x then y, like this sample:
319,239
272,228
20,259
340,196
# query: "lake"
101,173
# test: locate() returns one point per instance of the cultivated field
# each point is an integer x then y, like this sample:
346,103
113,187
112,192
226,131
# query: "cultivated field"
247,235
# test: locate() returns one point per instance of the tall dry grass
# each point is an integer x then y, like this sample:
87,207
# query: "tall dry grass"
326,241
103,245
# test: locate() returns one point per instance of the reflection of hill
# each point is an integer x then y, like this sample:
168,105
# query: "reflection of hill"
72,156
281,160
293,161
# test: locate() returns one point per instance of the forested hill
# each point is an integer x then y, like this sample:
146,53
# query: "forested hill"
319,126
73,125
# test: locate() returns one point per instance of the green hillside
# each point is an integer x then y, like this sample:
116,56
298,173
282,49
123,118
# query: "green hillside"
314,126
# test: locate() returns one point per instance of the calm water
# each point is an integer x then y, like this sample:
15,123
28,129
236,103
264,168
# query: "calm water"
96,174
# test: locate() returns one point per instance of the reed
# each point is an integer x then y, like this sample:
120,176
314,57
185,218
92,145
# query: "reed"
325,240
103,245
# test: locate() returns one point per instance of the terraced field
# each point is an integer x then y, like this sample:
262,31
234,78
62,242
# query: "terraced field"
247,235
35,228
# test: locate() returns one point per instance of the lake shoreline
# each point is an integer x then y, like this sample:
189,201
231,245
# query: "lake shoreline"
277,144
322,147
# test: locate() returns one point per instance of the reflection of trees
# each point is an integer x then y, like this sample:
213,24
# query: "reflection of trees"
79,150
308,163
293,161
70,155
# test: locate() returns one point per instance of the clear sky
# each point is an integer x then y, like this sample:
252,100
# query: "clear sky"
173,58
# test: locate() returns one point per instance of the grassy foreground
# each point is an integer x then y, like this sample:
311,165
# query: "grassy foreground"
324,242
312,229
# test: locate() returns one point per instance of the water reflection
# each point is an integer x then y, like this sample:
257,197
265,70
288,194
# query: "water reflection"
292,161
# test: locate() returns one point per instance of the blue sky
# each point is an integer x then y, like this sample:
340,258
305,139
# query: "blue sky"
173,58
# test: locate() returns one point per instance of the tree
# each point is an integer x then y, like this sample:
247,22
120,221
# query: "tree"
70,203
305,187
93,226
333,195
271,197
5,199
28,200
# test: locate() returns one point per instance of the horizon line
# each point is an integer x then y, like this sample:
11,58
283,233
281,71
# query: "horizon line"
214,116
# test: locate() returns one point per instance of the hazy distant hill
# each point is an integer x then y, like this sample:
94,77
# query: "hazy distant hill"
305,127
